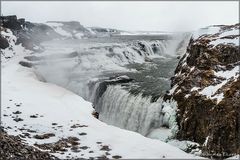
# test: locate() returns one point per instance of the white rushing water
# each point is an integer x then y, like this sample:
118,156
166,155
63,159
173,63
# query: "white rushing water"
125,110
94,62
94,59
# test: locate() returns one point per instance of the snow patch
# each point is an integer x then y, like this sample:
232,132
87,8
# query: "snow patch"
205,31
172,90
234,41
229,73
211,90
195,89
230,32
206,141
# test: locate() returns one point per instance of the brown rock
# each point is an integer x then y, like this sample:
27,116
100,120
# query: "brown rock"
11,147
199,117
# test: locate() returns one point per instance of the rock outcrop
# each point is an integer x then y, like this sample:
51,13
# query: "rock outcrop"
30,35
3,42
206,87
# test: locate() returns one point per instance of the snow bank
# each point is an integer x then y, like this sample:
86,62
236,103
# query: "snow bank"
220,36
205,31
223,37
234,41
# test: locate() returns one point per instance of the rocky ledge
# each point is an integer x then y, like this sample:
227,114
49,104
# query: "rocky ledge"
12,147
206,87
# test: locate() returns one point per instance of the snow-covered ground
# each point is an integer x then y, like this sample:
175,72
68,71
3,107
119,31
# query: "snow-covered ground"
217,35
33,107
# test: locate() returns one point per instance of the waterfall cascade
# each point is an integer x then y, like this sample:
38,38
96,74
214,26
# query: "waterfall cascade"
119,107
133,112
87,72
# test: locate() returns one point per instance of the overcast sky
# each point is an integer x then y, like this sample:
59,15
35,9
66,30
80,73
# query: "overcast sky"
141,15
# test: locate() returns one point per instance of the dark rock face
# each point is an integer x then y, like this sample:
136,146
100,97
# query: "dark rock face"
3,43
33,34
11,147
212,123
28,34
11,22
224,130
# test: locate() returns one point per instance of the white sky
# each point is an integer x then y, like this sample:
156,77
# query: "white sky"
135,15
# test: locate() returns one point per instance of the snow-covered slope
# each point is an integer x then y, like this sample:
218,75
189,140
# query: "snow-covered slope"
71,29
52,118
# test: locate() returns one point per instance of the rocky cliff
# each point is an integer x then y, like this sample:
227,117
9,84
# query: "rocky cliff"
206,87
29,34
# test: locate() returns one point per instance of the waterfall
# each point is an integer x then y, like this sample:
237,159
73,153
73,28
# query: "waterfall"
117,106
86,73
111,58
152,48
120,108
76,73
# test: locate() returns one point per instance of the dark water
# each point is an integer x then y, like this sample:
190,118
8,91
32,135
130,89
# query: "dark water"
151,79
116,39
